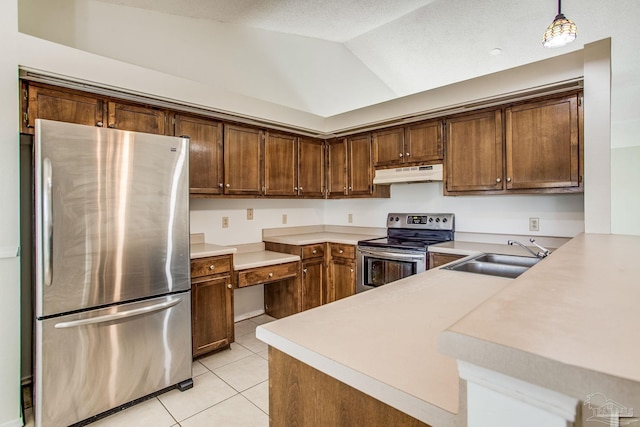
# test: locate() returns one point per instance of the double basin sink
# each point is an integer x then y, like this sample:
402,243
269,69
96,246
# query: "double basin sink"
510,266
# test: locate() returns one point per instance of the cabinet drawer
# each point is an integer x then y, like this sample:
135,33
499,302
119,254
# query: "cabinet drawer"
313,251
343,251
210,265
267,274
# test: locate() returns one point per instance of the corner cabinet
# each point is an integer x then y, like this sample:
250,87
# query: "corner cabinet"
211,304
350,168
205,153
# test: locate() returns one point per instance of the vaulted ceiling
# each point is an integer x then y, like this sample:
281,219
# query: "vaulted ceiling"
331,56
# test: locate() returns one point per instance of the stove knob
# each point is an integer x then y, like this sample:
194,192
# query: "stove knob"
437,219
397,219
444,220
430,219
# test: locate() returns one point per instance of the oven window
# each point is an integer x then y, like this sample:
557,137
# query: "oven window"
378,272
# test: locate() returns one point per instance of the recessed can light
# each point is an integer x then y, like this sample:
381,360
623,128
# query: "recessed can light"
495,52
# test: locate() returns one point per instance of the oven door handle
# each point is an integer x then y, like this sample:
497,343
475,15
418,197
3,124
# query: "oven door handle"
392,255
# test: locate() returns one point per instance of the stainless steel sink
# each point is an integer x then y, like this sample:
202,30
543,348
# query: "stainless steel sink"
509,266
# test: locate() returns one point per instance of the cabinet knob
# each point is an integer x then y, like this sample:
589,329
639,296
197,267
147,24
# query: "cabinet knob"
229,285
341,251
100,124
228,185
314,251
304,271
295,189
407,154
220,185
212,267
352,270
112,125
349,188
270,274
498,180
508,179
400,154
300,188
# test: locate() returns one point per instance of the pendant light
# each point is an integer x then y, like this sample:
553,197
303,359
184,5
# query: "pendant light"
562,31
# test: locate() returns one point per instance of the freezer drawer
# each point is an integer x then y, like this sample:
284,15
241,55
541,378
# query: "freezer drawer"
90,362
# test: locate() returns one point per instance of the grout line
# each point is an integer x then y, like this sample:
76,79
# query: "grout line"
169,412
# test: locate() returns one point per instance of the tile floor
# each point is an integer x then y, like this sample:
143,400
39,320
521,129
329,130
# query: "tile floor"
230,388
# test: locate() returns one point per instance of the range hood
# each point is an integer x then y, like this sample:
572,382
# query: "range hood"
408,174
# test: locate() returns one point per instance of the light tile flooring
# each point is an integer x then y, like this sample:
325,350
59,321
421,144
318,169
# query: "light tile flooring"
230,388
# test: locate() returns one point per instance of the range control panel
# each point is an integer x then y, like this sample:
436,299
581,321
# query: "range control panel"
422,221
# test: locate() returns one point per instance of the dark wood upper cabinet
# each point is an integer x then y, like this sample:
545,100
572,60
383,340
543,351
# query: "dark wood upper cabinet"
423,142
60,105
137,118
311,167
280,165
243,160
474,152
205,153
542,144
388,147
360,166
337,156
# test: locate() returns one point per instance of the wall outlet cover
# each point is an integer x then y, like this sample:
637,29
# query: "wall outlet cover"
249,214
284,218
534,224
225,222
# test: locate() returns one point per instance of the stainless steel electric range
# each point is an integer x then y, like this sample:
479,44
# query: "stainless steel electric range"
404,251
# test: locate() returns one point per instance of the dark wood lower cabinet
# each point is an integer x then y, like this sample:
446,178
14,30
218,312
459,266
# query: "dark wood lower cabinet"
342,275
312,280
211,304
282,298
300,395
437,259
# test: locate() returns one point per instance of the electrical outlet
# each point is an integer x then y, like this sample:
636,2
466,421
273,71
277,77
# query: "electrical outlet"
249,214
350,218
534,224
284,218
225,222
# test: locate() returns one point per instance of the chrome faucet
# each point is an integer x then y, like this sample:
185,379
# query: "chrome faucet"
543,251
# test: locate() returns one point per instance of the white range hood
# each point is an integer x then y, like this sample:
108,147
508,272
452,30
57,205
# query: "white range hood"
408,174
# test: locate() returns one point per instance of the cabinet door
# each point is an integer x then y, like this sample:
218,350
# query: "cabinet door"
388,147
343,279
243,167
423,142
137,118
280,165
205,153
62,106
311,177
211,314
542,144
312,279
474,152
337,167
360,166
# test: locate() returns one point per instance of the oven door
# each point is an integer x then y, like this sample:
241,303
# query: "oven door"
379,266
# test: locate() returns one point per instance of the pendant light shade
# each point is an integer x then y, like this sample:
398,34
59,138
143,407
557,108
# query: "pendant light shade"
562,31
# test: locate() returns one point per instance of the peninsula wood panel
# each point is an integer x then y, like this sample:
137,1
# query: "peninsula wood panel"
61,105
300,395
243,160
136,118
311,167
542,144
474,152
205,153
281,165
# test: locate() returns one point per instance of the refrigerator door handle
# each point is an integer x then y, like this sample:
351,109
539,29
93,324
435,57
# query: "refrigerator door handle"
47,222
121,315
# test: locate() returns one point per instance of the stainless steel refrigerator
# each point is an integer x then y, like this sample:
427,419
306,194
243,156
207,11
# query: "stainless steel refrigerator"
112,293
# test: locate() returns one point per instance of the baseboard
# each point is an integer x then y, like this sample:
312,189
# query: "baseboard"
245,316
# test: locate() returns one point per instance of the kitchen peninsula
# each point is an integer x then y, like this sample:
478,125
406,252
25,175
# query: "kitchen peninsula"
565,326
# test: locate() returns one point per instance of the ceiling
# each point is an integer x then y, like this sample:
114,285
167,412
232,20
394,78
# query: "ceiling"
329,57
333,20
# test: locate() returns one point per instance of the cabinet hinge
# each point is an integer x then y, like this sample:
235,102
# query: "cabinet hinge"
580,102
26,117
580,179
173,121
25,95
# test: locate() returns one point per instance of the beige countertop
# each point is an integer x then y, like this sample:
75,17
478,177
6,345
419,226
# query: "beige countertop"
243,261
571,324
384,342
473,248
201,250
320,237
